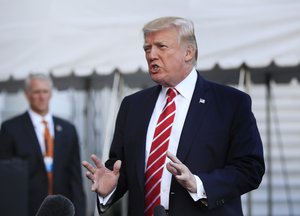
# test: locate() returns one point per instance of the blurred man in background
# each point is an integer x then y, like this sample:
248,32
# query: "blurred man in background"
48,144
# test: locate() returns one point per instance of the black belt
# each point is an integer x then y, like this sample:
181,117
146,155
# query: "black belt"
167,212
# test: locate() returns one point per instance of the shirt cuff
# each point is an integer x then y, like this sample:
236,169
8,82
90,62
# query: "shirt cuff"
200,194
106,200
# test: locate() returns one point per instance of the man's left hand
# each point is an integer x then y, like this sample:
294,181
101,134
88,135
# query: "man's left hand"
181,173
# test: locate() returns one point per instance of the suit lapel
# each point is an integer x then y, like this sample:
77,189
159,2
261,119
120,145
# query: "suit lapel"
32,137
198,107
192,124
57,140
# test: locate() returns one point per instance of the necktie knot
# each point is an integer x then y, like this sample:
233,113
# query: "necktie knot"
172,92
45,123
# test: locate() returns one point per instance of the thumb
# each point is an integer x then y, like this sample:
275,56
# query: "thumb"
117,167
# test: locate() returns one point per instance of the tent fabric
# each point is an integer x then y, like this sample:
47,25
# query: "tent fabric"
92,36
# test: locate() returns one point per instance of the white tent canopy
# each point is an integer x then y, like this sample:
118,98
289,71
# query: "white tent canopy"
89,36
83,37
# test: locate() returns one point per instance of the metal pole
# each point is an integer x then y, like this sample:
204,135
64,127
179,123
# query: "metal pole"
268,143
247,89
244,83
110,120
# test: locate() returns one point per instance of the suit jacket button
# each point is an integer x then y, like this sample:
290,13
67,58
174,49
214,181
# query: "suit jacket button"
220,202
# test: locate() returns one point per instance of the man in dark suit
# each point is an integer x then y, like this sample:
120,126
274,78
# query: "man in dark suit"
214,136
23,137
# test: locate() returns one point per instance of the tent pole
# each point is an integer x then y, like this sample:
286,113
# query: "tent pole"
247,89
109,125
268,142
245,82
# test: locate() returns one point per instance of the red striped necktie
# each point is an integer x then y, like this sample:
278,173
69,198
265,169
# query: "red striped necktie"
158,153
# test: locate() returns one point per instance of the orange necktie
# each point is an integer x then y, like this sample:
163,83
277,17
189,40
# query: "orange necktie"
48,157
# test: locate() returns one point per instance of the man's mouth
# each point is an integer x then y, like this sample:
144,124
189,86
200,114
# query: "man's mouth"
154,68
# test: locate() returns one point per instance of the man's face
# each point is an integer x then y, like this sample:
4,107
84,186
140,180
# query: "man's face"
39,95
167,60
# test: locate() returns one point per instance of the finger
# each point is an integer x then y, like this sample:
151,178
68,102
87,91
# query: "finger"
180,177
88,166
173,157
90,176
183,172
97,161
93,188
117,167
177,166
171,169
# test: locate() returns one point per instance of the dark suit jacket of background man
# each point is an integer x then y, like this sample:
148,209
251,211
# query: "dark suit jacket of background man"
220,143
18,139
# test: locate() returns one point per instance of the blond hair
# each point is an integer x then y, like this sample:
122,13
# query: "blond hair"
185,27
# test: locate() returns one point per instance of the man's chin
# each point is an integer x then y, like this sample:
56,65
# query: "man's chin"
41,111
156,78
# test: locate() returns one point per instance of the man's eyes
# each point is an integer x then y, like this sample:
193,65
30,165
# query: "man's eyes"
162,46
40,91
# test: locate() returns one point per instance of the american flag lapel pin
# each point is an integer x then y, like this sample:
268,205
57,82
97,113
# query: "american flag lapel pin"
58,128
202,100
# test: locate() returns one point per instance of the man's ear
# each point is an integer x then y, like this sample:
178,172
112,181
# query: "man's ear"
189,53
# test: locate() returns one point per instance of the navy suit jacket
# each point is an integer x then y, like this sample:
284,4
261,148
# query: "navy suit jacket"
18,139
219,142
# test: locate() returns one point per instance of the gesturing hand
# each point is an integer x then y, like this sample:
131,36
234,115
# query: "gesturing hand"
103,179
181,173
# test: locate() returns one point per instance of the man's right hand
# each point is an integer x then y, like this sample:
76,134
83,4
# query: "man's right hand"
103,179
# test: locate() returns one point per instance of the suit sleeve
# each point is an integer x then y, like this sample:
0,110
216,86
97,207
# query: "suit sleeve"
6,143
117,151
244,166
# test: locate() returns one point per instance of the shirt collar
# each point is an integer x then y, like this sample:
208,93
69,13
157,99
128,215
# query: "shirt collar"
185,87
37,118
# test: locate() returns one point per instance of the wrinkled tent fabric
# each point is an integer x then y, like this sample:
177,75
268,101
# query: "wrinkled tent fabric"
97,37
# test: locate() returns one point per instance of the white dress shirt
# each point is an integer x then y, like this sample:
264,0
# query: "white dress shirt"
39,127
182,101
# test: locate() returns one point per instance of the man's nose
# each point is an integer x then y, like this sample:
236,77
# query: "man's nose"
152,55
